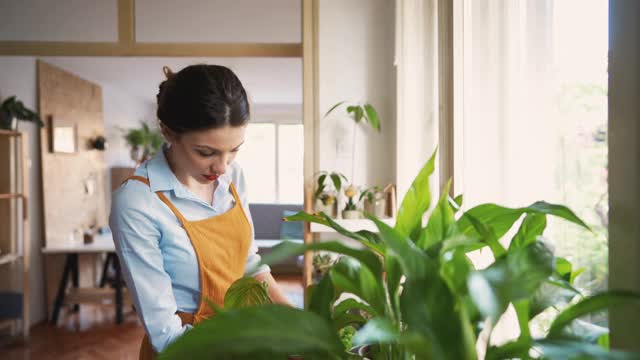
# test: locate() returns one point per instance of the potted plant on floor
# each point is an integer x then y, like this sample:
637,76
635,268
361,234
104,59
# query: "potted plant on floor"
12,110
413,292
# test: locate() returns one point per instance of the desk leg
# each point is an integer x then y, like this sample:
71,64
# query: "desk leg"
118,284
105,270
76,279
68,268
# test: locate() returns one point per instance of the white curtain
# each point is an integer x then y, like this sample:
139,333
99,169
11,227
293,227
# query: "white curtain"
531,118
417,82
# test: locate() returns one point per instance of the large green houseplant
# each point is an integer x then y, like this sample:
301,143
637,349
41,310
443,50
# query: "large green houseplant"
414,293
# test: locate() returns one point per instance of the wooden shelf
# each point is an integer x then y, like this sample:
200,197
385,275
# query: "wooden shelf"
11,196
351,225
10,133
8,258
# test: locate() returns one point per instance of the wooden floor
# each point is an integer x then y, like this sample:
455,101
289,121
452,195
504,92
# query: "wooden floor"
92,334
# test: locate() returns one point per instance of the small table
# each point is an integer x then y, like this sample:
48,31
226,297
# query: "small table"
102,243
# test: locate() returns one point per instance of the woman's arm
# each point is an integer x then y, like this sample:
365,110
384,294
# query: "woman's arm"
136,237
275,291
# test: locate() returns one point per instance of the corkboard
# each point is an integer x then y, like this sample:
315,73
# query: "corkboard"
67,100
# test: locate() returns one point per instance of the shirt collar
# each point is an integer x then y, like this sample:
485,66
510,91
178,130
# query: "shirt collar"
161,178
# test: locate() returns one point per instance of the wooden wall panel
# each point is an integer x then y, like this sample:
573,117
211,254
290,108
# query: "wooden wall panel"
69,100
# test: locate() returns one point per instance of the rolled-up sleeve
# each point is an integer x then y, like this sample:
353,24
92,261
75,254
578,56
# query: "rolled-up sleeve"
253,266
137,238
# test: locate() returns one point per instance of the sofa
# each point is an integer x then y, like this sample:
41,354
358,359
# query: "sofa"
270,230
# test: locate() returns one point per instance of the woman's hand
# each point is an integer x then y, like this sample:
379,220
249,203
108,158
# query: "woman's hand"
275,291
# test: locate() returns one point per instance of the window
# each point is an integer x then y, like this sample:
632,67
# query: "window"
272,160
532,120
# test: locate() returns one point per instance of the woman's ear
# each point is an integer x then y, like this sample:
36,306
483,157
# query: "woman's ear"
169,135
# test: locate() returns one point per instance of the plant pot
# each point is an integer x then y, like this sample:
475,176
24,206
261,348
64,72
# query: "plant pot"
8,122
377,207
329,209
351,214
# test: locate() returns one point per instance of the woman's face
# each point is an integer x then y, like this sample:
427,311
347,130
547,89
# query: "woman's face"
204,155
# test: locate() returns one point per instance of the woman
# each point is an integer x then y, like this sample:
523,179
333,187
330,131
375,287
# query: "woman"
181,224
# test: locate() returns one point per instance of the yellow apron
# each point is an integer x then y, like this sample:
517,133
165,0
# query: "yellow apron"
221,244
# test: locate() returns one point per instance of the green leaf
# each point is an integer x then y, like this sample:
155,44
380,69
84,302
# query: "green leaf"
567,349
349,275
560,211
532,226
322,296
245,292
286,249
441,222
414,263
457,202
394,275
372,116
377,331
337,182
333,108
522,311
585,332
351,304
358,114
517,349
501,219
455,268
487,235
416,202
303,216
271,330
514,277
564,268
363,238
554,293
588,305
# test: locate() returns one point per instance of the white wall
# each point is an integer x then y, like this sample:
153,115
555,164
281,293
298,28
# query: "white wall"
355,48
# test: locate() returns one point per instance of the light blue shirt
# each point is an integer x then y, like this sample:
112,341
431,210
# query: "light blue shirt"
158,261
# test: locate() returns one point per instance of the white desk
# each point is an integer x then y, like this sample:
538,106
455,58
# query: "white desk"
101,244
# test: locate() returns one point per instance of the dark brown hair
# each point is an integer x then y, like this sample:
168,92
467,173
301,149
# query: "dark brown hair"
201,97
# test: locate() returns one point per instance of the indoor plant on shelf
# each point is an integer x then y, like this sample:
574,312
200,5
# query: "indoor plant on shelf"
415,294
326,197
359,114
375,201
12,110
143,142
350,209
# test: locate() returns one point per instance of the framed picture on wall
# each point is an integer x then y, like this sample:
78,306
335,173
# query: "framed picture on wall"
63,137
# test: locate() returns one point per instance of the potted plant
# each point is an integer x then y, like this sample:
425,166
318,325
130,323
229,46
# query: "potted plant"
415,294
325,197
350,209
375,201
143,142
359,114
322,262
12,110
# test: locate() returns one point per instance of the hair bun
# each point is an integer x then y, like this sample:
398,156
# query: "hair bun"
167,72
